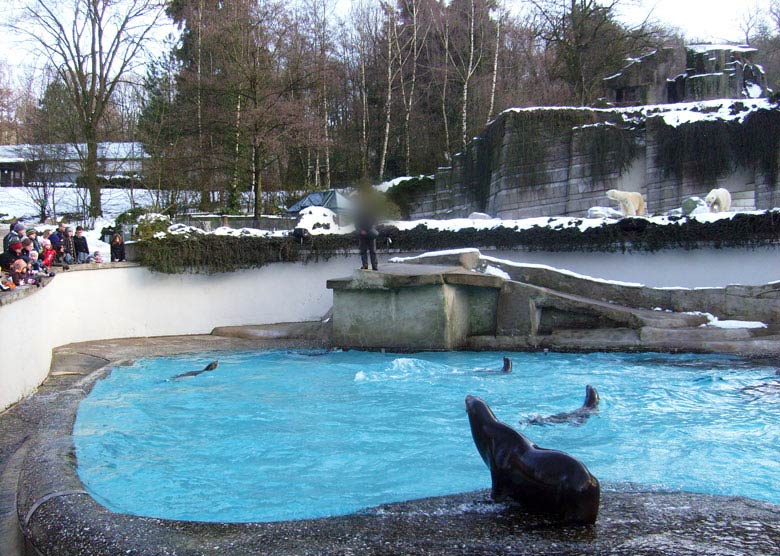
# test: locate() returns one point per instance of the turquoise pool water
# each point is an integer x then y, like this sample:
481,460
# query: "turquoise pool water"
279,435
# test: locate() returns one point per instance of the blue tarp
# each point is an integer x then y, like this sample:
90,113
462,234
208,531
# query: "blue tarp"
330,199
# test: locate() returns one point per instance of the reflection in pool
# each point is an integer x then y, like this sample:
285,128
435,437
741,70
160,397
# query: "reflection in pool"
278,435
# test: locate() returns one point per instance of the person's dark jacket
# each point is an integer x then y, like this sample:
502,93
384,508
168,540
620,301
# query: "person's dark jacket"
68,245
365,224
11,238
80,243
56,240
117,252
7,259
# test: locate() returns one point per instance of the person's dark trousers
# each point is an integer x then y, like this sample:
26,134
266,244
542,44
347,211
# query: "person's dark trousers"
368,246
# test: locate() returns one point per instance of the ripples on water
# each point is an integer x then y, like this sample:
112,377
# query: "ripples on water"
287,434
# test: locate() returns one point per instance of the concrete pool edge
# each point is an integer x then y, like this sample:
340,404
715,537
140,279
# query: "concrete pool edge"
58,517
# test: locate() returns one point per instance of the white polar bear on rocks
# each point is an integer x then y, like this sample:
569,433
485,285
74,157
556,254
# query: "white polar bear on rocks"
631,202
719,200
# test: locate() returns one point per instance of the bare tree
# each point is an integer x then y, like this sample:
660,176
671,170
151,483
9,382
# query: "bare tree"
92,44
44,167
408,54
494,77
587,42
751,21
392,73
365,18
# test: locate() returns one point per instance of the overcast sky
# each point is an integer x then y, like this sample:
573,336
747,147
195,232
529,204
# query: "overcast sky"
707,20
699,20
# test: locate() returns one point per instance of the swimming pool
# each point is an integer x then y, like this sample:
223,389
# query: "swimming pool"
279,435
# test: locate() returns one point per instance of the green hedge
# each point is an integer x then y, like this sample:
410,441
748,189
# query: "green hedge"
213,254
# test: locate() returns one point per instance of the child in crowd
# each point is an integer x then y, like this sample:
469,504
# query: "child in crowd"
27,247
14,252
32,234
35,264
80,244
50,258
117,248
20,274
48,254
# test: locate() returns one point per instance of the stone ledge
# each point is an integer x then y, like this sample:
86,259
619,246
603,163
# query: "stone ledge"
633,520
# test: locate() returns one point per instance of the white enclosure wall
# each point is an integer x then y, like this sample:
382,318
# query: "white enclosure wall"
134,302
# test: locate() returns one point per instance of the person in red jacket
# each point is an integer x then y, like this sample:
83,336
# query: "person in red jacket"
49,257
48,254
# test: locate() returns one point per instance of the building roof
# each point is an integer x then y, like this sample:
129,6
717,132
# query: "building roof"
702,48
330,198
10,154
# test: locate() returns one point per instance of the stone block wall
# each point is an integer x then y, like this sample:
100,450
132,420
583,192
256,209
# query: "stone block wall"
538,162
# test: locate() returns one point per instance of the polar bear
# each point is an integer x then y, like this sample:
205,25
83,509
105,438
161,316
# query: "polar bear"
631,202
719,200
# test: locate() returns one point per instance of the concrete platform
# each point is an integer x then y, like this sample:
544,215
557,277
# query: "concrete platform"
59,518
454,305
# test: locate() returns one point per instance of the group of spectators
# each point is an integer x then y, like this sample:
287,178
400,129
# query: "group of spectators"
26,258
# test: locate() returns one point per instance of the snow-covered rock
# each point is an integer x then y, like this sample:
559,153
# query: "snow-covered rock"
604,212
318,221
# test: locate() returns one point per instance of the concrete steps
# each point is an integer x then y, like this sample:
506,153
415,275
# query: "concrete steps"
739,341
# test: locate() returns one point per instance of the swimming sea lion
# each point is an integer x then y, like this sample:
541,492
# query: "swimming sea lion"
507,368
576,417
210,367
541,480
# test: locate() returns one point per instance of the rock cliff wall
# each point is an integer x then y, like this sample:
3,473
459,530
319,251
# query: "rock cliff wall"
561,161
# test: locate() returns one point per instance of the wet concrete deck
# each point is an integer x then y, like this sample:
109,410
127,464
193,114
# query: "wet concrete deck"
59,518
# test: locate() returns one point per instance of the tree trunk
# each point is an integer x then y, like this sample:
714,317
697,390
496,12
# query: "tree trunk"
364,118
204,193
388,99
257,180
445,119
233,204
90,175
327,138
466,78
495,71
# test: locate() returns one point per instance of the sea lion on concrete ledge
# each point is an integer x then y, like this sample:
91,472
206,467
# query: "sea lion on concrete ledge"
576,417
541,480
210,367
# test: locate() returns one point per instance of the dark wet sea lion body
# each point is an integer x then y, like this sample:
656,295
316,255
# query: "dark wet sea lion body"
576,417
541,480
505,369
210,367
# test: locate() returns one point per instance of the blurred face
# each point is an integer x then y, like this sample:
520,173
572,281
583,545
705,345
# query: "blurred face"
78,233
34,256
19,266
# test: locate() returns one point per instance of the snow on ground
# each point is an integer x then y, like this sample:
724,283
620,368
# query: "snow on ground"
559,222
16,202
321,220
495,270
674,114
386,186
715,322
